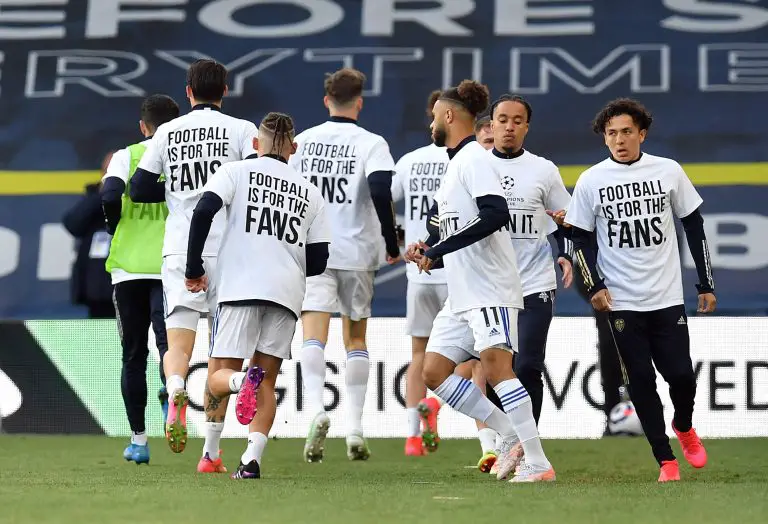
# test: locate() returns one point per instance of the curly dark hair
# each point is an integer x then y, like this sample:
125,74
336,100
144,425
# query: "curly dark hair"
472,95
622,106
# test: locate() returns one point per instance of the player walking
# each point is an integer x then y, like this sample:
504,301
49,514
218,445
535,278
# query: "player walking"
134,261
418,175
353,169
484,291
270,209
189,151
631,199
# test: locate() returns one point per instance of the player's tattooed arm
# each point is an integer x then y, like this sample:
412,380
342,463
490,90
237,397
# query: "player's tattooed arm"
212,404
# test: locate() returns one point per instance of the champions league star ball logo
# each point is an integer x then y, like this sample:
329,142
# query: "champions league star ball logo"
507,183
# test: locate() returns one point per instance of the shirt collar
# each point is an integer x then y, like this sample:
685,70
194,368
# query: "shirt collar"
252,156
343,120
627,163
506,155
213,107
276,157
452,152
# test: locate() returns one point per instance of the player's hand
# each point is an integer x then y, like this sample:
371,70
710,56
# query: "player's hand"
602,301
196,285
393,260
567,268
425,264
707,303
558,217
415,251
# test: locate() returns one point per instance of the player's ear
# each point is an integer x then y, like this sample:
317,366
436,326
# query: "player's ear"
189,92
142,127
294,148
359,103
255,143
326,102
643,133
226,90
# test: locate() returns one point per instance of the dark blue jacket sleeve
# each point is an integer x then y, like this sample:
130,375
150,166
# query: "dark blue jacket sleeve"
564,243
85,215
210,204
317,258
380,184
493,214
146,187
693,225
112,191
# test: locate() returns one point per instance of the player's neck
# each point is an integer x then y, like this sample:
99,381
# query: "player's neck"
454,146
628,162
459,134
507,153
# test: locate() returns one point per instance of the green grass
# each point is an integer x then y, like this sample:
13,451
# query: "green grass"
85,480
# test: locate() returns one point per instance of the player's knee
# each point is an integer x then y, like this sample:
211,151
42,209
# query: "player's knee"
432,376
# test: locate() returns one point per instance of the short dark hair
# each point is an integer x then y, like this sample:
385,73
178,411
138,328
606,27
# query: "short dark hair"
156,110
482,121
344,86
622,106
470,94
513,98
207,79
431,101
280,126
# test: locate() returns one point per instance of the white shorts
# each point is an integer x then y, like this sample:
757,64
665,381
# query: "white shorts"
423,303
241,331
461,336
340,291
183,308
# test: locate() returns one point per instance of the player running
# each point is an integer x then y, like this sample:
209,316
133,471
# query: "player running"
484,291
135,257
353,169
417,176
631,199
270,209
188,151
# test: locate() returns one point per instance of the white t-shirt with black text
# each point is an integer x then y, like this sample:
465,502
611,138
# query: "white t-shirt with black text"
120,167
338,157
418,175
189,150
272,214
483,274
632,207
532,184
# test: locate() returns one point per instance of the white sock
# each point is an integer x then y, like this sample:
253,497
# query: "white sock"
465,397
212,439
501,424
414,422
236,381
517,404
139,438
256,444
173,383
356,378
313,375
487,438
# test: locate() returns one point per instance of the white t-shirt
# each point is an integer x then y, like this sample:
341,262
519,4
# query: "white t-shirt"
532,184
338,157
272,214
120,167
483,274
418,175
189,150
632,207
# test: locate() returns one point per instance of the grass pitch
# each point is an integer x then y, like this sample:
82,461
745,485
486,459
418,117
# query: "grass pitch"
85,480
